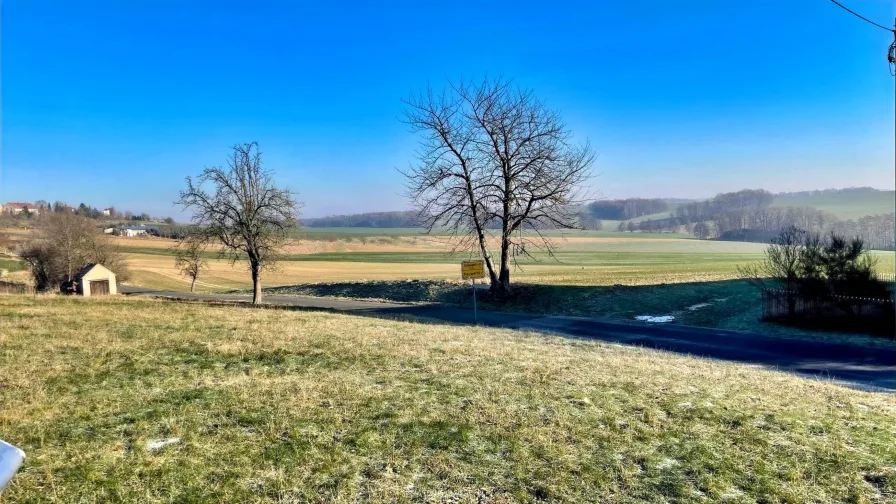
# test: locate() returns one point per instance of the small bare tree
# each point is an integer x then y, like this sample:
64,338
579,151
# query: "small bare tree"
246,213
494,162
189,258
782,265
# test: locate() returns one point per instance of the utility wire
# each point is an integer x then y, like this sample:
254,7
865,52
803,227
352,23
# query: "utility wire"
854,13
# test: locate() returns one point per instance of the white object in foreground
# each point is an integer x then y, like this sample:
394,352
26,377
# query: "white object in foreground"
661,319
11,459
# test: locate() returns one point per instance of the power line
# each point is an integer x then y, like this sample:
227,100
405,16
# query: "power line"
891,30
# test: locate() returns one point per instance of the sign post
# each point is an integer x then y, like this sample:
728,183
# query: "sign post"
471,270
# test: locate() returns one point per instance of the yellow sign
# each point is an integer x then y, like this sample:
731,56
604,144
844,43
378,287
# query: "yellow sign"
472,269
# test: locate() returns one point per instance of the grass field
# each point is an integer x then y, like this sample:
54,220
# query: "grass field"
11,265
617,277
285,406
845,205
580,260
608,277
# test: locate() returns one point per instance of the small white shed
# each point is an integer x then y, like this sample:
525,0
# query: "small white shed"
95,280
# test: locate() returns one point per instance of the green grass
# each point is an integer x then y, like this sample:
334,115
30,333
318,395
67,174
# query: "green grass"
847,205
11,265
728,304
285,406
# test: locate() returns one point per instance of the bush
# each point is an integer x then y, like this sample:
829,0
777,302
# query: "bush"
820,270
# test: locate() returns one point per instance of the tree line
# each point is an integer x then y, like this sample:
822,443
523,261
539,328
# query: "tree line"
397,219
44,207
410,219
625,209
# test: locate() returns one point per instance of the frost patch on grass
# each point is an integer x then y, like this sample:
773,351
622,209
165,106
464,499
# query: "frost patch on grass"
158,444
667,463
655,319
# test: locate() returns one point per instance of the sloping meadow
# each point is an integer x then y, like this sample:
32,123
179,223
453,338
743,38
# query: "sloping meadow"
130,400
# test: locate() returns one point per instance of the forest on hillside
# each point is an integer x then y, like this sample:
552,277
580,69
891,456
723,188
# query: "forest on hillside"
746,215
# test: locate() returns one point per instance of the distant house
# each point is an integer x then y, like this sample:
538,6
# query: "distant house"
17,208
107,212
132,231
95,280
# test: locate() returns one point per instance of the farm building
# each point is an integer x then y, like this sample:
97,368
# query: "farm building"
95,280
132,231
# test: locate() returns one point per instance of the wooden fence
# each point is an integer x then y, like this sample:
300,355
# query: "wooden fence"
854,314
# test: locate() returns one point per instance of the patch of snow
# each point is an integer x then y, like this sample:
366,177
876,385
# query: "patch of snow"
580,401
158,444
655,319
698,306
667,463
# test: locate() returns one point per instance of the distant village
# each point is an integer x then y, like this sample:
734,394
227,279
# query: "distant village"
115,223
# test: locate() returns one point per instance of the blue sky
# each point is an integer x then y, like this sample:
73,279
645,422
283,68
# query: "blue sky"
114,103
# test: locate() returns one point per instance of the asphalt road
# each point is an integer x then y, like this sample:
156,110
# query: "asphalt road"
852,365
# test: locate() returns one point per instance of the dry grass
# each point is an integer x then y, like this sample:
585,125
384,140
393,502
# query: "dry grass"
274,406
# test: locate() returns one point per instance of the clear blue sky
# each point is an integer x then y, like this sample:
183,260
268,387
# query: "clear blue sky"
115,102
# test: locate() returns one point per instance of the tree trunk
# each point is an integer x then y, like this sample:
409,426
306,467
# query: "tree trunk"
502,286
193,285
256,284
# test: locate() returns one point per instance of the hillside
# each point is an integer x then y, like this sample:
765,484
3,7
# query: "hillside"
845,204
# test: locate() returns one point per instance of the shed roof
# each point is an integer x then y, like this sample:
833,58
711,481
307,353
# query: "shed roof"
91,267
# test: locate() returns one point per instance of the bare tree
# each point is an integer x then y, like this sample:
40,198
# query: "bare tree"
494,162
189,258
63,244
246,213
782,265
69,234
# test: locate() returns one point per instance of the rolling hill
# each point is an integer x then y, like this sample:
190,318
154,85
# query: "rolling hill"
845,204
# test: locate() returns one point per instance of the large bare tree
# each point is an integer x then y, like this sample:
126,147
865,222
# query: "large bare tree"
495,165
245,212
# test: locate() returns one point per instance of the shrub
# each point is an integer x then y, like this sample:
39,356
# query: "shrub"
808,267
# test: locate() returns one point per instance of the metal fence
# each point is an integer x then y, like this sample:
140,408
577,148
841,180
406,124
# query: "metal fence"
830,312
887,278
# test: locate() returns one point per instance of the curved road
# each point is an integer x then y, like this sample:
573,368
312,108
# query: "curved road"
852,365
